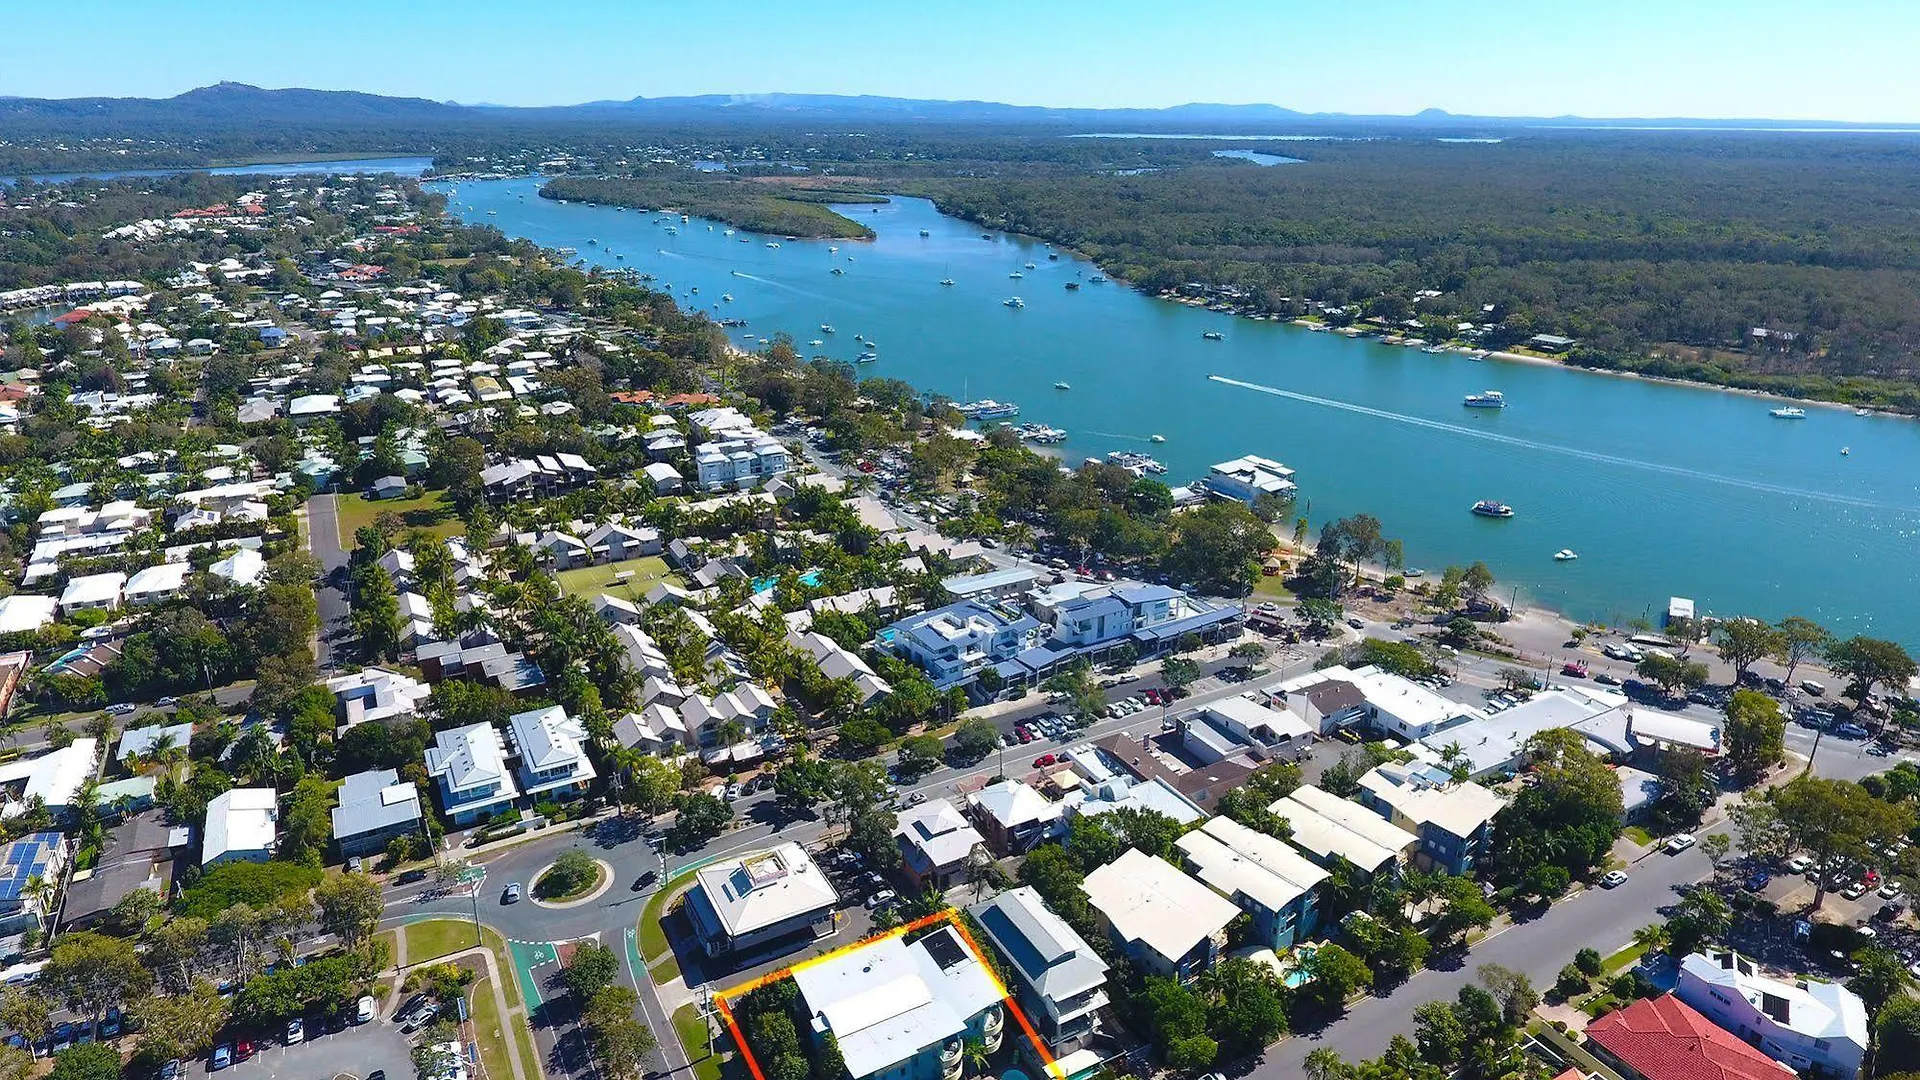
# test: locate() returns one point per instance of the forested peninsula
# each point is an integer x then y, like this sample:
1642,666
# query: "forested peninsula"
763,207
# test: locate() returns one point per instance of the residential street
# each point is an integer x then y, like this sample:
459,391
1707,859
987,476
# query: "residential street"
323,538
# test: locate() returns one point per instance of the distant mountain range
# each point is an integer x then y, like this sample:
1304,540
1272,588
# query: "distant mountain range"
240,103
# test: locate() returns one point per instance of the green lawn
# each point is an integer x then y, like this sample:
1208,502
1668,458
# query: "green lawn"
693,1039
1272,588
653,936
666,970
490,1032
431,512
588,580
1638,835
437,937
1624,959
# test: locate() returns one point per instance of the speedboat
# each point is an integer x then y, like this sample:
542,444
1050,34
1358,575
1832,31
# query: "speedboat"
1096,279
1863,412
1214,335
924,232
1156,438
1846,450
826,328
946,281
1016,275
1014,301
833,249
1787,412
1062,386
1565,555
837,271
1491,508
771,244
1030,266
1485,399
1072,286
727,297
815,343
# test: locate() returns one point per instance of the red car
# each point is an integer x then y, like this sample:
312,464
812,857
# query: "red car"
242,1050
1043,761
1025,736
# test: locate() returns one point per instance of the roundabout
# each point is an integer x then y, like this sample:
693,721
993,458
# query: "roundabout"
543,892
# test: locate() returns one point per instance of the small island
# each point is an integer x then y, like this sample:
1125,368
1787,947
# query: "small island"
758,206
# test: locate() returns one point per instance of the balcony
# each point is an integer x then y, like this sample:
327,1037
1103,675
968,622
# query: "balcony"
952,1060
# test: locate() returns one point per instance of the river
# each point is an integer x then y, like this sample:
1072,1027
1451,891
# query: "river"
403,166
1662,489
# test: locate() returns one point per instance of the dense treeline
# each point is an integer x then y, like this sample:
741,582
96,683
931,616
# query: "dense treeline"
1630,243
764,208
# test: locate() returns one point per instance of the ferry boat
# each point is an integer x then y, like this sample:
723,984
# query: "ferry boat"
1492,509
1486,399
1214,335
988,409
1787,412
1135,462
1062,386
1073,286
1565,555
1014,301
946,281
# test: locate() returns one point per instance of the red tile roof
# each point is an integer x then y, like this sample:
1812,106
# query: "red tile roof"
1664,1039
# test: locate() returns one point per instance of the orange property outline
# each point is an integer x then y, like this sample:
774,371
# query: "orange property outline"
947,916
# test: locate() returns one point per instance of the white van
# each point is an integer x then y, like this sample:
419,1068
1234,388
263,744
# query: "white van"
21,974
1817,689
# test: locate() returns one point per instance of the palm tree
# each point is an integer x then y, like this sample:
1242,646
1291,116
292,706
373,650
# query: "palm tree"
1326,1064
730,731
975,1054
1650,938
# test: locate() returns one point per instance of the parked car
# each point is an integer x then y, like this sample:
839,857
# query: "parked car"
1680,843
1605,679
1758,880
1854,891
1891,890
62,1036
1613,879
296,1031
1044,760
363,1010
884,896
169,1069
242,1050
222,1057
1800,864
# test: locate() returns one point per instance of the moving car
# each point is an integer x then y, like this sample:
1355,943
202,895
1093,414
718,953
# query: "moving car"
512,895
1043,761
1680,843
1613,879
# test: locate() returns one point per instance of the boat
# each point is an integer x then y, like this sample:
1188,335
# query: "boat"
1073,286
866,358
837,271
986,236
1030,266
924,232
673,230
621,257
1016,275
726,298
833,249
1062,386
946,281
684,217
1485,399
772,244
1492,509
988,409
1564,555
1845,451
1137,463
1053,256
826,328
1039,433
1156,438
591,242
1096,279
1014,301
1863,412
493,213
726,232
1787,412
815,343
1214,335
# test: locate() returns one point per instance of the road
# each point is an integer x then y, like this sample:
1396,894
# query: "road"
323,539
1602,918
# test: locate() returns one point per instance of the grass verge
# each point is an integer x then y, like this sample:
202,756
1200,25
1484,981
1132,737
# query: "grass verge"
692,1030
1638,835
653,936
584,580
435,938
666,970
1624,959
490,1032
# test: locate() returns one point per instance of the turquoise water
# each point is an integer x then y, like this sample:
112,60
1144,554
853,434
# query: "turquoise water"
810,578
1662,490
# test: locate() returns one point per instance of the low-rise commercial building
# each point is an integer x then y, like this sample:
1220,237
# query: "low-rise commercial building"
777,897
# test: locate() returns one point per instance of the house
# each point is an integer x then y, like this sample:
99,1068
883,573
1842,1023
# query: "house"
1248,478
564,550
94,592
244,567
1552,343
305,410
746,904
488,662
615,542
1812,1026
1337,697
388,487
145,741
375,806
553,752
470,766
1453,819
951,644
1261,875
242,824
937,845
376,694
1059,980
1167,922
30,874
1238,725
666,479
655,729
53,779
1327,828
1006,583
903,1012
1663,1039
138,854
1013,818
156,584
838,663
24,613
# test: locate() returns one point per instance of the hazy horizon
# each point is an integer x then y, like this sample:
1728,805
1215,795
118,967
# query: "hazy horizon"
1652,59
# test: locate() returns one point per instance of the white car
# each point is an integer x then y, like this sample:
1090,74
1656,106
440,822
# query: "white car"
1680,843
1613,879
1799,864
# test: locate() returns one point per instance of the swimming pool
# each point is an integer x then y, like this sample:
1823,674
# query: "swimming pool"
809,579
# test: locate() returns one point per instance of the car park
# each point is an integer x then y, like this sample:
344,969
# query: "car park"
1613,879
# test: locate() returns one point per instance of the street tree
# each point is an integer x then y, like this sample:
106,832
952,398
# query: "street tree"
1871,662
1178,672
1831,819
91,973
1755,734
976,738
1671,673
591,967
1744,641
350,906
1800,640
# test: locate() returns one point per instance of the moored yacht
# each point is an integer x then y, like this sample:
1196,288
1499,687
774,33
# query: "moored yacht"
1491,508
1787,412
1485,399
1565,555
1014,301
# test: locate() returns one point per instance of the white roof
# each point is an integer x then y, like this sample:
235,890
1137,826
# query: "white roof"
240,820
1672,729
938,832
887,1001
550,739
92,589
1328,826
1236,861
159,580
1148,901
1012,803
766,888
243,567
55,777
469,757
1425,794
1818,1010
23,612
1415,705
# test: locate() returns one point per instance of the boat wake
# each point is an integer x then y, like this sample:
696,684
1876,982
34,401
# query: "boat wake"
1569,451
1117,435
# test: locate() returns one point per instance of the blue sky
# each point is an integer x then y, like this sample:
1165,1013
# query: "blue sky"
1842,60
